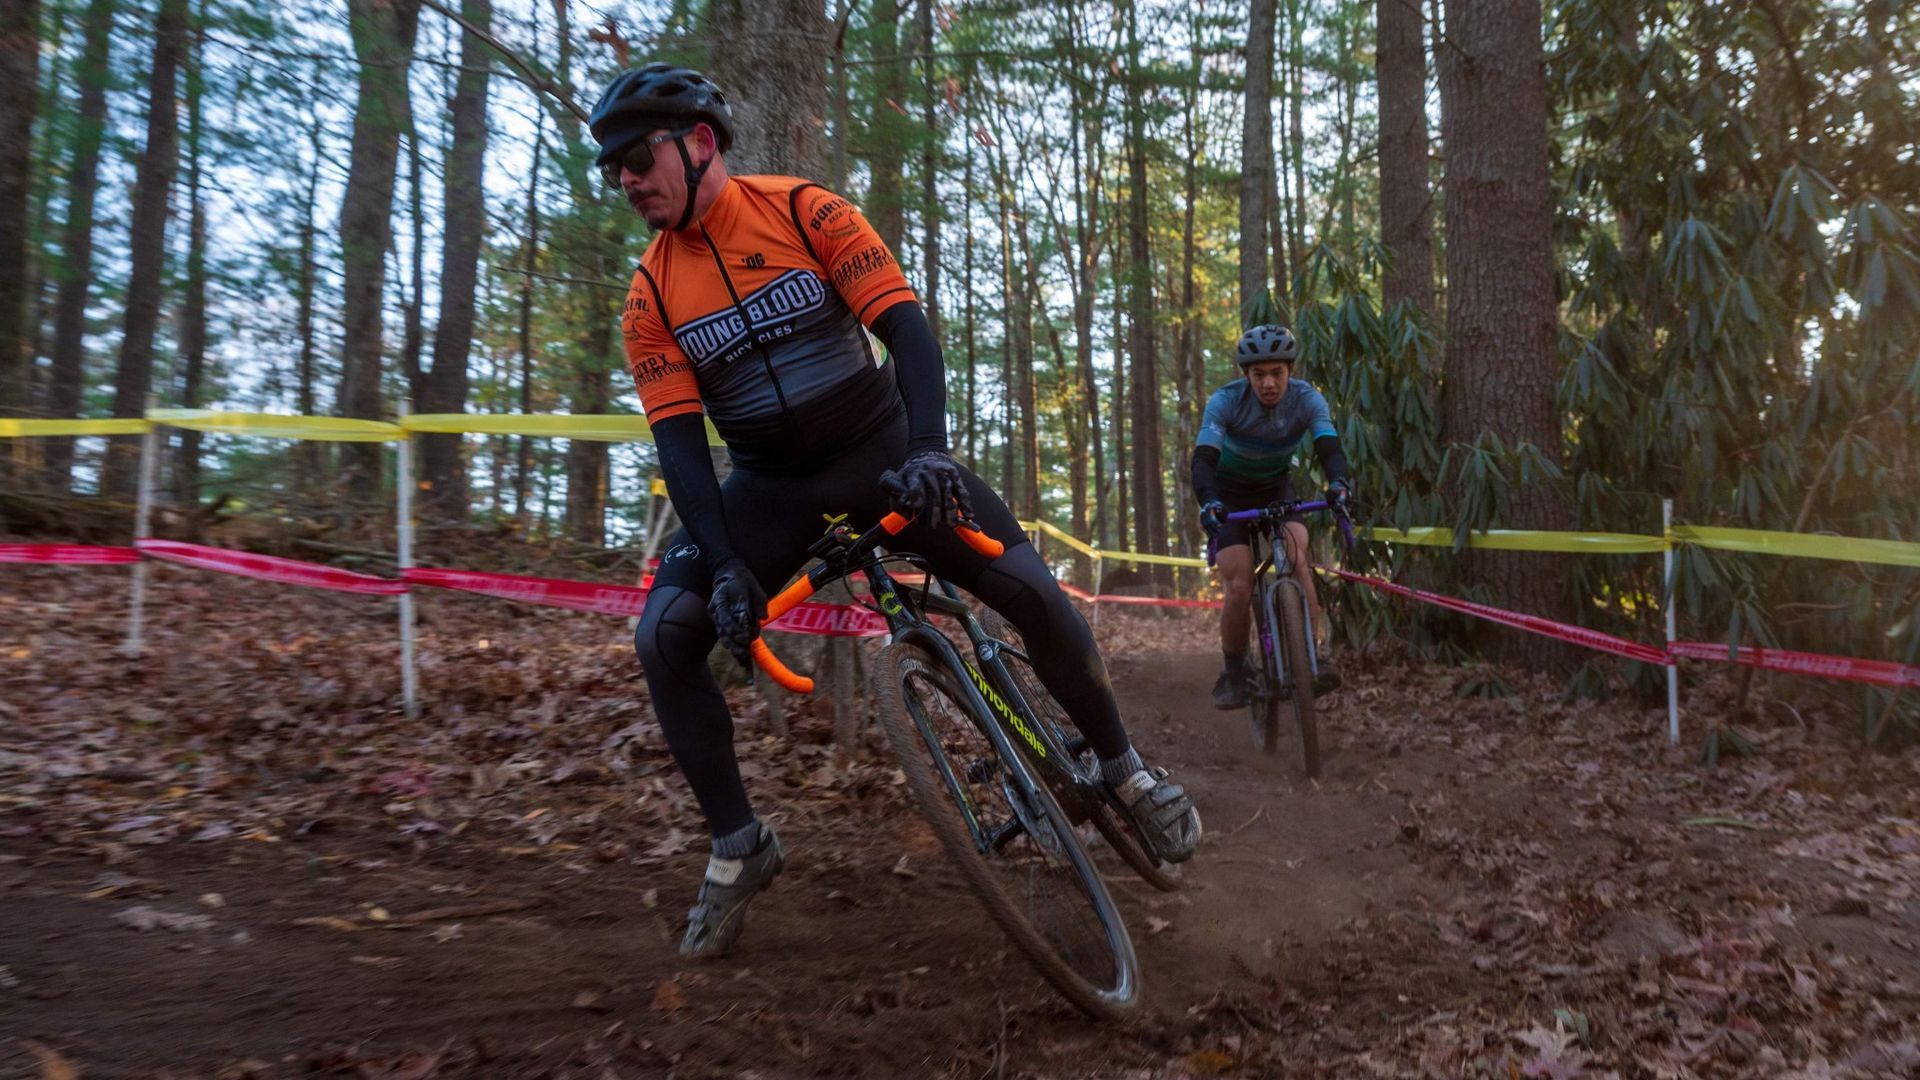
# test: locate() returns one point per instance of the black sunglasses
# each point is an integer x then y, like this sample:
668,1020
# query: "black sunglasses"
637,158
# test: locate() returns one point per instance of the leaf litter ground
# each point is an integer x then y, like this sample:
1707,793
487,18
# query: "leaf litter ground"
236,858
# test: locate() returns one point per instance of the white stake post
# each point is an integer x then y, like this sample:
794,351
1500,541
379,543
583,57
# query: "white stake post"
1667,601
142,529
403,496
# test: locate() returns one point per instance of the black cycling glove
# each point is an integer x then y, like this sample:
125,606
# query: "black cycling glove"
929,484
737,606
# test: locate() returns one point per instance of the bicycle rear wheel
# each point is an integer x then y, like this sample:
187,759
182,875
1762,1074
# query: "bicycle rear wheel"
1290,613
1263,673
1006,834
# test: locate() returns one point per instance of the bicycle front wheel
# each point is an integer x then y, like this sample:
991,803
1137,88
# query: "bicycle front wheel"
1005,833
1290,613
1263,674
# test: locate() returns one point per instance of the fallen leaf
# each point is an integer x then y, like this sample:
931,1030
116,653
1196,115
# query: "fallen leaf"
143,918
900,870
1156,924
668,998
592,1001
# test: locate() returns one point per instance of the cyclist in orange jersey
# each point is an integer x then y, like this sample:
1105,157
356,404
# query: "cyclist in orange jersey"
751,308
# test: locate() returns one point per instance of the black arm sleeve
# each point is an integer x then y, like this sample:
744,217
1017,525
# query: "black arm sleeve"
1206,473
687,468
921,370
1333,460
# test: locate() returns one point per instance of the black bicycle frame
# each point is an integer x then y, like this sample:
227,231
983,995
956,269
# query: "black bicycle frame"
1018,733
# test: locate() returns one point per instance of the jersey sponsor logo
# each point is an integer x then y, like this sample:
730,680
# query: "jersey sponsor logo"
635,306
853,268
775,310
754,261
824,211
681,551
655,366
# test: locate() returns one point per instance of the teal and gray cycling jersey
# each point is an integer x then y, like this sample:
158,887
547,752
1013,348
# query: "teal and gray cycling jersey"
1257,444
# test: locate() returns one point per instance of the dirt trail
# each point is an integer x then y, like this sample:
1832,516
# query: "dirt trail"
1463,870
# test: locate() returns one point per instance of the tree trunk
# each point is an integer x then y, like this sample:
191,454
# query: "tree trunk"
383,33
1345,185
1406,206
1297,54
444,464
1122,518
967,297
413,314
587,464
307,453
1149,490
1086,230
20,74
153,185
1029,392
886,138
193,312
1256,154
1189,367
523,452
75,266
842,108
774,72
1501,359
929,178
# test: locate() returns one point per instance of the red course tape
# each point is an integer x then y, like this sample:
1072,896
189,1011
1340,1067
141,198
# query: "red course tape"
68,554
270,568
1878,672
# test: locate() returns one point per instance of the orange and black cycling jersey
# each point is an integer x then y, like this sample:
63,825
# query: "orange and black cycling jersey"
755,316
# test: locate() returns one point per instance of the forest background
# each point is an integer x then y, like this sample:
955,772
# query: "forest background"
1551,265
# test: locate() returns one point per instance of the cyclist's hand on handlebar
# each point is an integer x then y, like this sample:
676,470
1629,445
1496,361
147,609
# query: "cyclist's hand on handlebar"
931,486
1336,495
737,606
1213,517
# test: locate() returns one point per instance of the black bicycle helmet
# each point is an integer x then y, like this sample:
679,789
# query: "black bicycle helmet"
1266,344
655,96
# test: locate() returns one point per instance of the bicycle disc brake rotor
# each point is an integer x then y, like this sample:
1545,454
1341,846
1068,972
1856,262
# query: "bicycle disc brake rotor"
1038,827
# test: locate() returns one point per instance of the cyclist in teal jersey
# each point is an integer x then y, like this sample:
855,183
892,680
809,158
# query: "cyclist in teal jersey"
1249,436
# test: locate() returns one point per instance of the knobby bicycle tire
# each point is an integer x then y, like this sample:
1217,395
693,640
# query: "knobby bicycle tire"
1290,609
903,667
1263,673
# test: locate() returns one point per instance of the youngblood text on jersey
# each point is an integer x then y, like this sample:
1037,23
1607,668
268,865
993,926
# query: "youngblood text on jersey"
774,310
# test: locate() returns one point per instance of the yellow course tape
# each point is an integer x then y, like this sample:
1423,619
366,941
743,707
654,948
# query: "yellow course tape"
276,426
1845,548
33,429
1063,536
598,427
1525,540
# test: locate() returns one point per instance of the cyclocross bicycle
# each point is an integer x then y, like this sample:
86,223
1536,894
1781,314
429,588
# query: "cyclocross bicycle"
992,767
1280,671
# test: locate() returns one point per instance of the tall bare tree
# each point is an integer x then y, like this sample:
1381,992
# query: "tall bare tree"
383,34
1406,204
885,138
1149,481
1256,153
193,307
465,230
153,187
75,266
1501,359
20,74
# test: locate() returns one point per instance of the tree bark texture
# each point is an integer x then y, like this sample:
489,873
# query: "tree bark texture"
153,186
465,229
1406,204
930,175
887,135
75,265
1256,153
383,34
773,70
193,308
20,75
1149,482
1501,354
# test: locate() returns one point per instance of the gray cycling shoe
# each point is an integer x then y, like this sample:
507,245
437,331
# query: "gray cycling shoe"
720,912
1162,814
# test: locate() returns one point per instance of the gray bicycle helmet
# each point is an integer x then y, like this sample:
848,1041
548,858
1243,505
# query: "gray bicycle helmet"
1266,344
